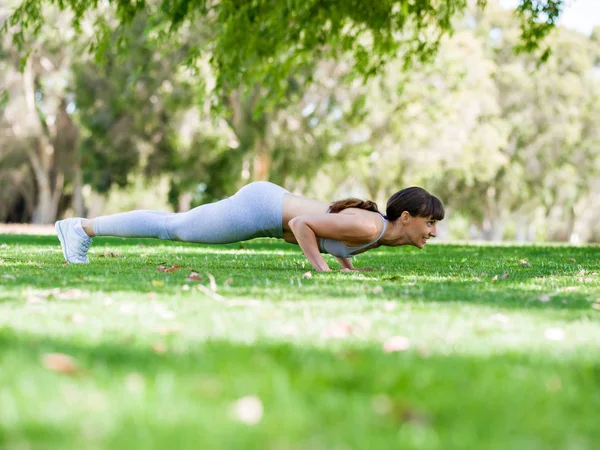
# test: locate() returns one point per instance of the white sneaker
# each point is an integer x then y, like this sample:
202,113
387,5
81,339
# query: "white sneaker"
74,246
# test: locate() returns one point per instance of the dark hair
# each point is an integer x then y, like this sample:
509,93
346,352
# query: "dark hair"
340,205
417,201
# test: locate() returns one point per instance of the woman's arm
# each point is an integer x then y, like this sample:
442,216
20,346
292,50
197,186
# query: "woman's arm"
349,227
307,240
346,263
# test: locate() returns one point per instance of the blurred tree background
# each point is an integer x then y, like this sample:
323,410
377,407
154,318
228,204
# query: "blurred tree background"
170,104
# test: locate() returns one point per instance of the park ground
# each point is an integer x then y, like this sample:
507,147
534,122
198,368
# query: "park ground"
163,345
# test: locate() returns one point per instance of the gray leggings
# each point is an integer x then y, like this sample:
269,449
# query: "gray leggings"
253,211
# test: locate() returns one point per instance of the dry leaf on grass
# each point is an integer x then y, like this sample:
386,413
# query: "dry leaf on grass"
505,276
248,410
307,274
158,283
59,362
194,276
524,263
338,330
396,344
166,269
159,347
109,254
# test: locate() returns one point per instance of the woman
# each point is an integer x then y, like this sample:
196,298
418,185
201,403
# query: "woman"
343,229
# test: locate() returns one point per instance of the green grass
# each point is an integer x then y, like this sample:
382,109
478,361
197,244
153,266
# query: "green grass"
493,362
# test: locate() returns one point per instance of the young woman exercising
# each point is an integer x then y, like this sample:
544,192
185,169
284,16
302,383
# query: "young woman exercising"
343,229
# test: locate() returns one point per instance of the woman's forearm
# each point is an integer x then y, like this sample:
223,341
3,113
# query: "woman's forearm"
346,263
307,240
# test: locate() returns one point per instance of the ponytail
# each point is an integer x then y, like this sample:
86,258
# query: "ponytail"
340,205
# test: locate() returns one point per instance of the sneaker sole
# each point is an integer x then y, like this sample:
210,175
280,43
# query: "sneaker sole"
61,238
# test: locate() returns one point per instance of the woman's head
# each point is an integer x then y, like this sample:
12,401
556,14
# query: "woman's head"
417,202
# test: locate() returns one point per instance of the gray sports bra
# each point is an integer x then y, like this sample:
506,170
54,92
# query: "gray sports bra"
341,250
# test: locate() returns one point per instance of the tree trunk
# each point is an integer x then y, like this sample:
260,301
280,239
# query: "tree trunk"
262,161
41,158
77,202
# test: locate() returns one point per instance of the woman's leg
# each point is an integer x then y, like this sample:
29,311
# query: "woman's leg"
255,210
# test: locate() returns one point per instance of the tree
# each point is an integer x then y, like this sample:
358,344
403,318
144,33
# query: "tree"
262,41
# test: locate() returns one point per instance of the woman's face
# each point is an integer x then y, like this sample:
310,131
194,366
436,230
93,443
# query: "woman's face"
420,229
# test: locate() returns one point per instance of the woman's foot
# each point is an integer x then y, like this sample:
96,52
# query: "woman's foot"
74,241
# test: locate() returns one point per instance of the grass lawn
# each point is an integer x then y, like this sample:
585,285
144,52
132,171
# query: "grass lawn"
450,347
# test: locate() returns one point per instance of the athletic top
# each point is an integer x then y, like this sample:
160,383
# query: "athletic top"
341,250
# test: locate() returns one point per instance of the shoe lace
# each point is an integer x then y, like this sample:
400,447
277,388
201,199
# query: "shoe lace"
84,246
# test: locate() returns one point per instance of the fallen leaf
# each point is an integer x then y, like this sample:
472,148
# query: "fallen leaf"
524,263
307,274
158,283
596,306
194,276
59,362
414,416
554,334
423,351
572,260
581,273
505,276
158,347
109,254
69,294
338,330
495,278
248,410
166,269
396,344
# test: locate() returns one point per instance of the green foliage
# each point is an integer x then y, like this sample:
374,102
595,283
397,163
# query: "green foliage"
265,40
